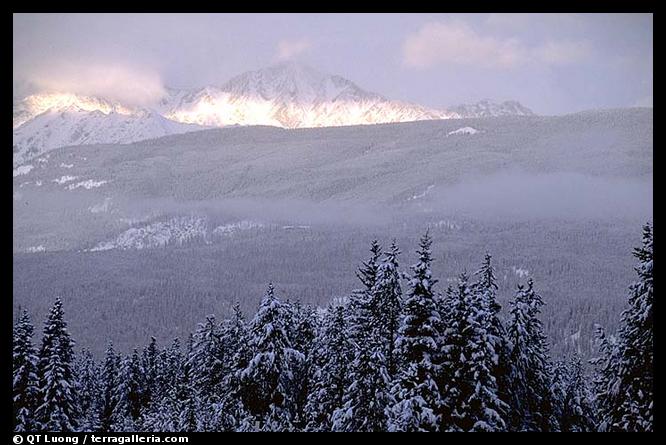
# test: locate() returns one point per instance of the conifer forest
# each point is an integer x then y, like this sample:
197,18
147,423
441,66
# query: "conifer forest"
400,353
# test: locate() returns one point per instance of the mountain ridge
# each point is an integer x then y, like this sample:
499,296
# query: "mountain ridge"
287,95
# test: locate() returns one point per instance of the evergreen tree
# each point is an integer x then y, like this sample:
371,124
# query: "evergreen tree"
130,393
304,321
416,392
367,273
25,383
471,397
531,400
360,301
173,361
328,371
386,305
109,382
573,397
88,391
269,378
56,411
487,285
151,365
229,413
187,399
625,387
207,360
367,398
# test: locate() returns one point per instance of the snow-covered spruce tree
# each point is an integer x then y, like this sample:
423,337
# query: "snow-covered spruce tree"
25,383
109,382
207,360
229,413
307,325
531,400
360,300
328,372
172,360
471,400
417,396
485,289
367,273
269,378
367,398
187,397
625,388
88,391
130,393
486,285
573,398
164,414
56,410
386,306
605,370
304,327
150,363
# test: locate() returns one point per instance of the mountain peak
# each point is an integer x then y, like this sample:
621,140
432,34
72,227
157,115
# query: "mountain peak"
293,82
490,108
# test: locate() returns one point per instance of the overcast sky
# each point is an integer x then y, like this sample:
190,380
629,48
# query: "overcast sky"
552,63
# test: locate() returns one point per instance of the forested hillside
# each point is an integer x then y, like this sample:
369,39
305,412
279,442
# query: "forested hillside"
402,353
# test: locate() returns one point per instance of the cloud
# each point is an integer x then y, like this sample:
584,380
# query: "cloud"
130,85
562,195
561,53
288,49
457,43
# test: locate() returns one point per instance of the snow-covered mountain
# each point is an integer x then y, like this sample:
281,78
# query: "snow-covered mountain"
287,95
73,125
488,108
36,104
290,95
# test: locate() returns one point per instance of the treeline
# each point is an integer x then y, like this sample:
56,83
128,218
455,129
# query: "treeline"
395,355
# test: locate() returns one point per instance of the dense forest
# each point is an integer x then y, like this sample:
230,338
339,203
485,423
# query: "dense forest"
395,355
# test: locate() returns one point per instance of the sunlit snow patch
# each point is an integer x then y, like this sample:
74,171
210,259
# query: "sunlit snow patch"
64,179
89,184
158,234
296,227
22,170
230,229
463,130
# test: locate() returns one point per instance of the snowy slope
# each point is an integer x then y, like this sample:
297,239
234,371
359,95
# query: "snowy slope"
73,125
36,104
276,170
176,230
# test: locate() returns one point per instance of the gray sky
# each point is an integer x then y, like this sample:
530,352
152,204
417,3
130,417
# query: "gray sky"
552,63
